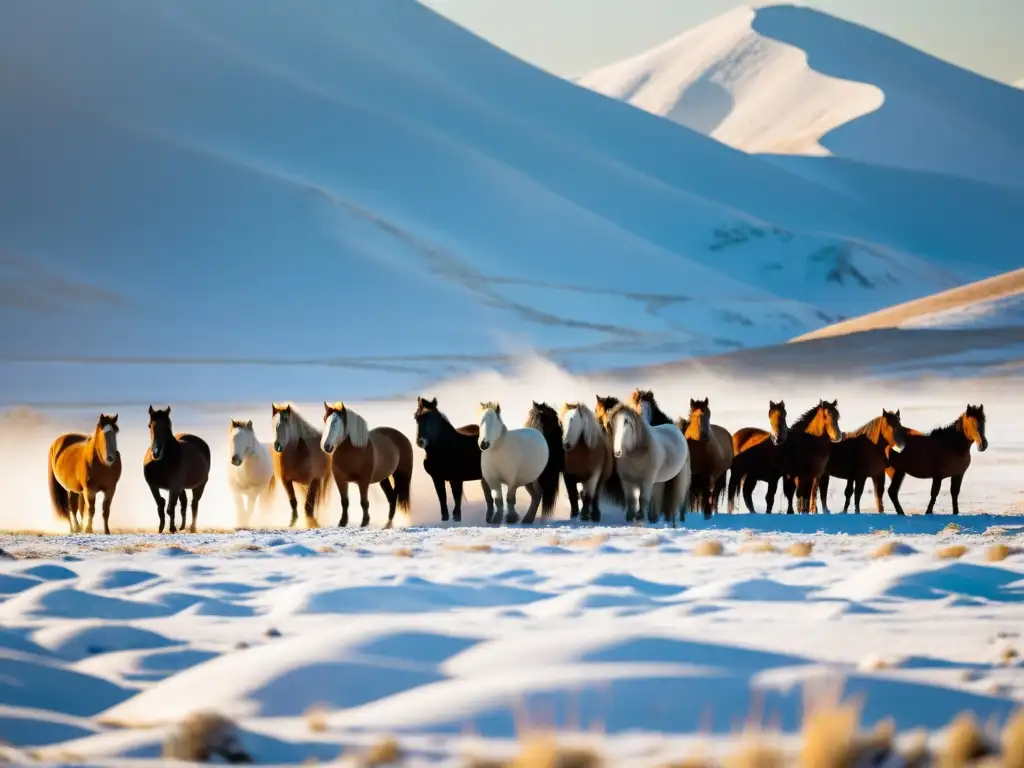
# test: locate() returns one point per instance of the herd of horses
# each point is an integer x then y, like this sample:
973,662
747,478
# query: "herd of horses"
628,453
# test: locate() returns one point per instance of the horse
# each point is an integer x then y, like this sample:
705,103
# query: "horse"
366,456
711,453
452,456
175,463
80,467
643,402
861,455
758,455
603,407
298,458
251,471
513,458
810,442
589,462
646,456
544,419
613,488
943,452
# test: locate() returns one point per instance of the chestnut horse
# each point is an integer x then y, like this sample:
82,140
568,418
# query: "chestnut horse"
298,458
861,455
589,463
81,467
711,455
366,456
943,452
758,456
175,463
452,456
810,442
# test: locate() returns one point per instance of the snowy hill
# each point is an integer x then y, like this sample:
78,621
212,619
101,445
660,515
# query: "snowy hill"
787,79
198,203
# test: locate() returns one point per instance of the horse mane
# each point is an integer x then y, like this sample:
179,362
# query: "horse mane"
872,430
245,424
637,397
801,424
951,431
492,405
643,430
356,428
592,429
543,418
298,423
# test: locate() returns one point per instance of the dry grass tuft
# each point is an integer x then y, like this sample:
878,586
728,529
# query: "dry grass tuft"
876,663
801,548
326,549
387,751
951,528
1013,740
205,735
543,751
316,717
997,553
1008,656
467,547
589,542
952,552
965,743
708,548
829,736
402,552
754,751
890,548
758,546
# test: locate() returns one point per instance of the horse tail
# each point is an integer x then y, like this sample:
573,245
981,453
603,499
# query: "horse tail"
271,486
323,486
737,472
60,499
403,474
676,497
719,490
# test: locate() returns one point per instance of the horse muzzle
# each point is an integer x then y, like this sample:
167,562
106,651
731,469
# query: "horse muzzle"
236,460
278,447
567,446
111,458
898,447
775,440
421,442
328,449
156,453
485,444
839,438
984,444
618,454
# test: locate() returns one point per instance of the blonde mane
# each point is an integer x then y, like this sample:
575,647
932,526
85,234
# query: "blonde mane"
640,425
296,426
593,432
356,429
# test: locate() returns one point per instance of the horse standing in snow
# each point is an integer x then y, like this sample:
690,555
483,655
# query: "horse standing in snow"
758,455
862,455
643,402
250,471
513,458
544,419
710,454
367,456
589,463
807,451
298,458
647,457
81,466
175,463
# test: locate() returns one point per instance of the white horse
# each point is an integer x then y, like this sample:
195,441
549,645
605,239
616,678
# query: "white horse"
513,458
251,471
647,456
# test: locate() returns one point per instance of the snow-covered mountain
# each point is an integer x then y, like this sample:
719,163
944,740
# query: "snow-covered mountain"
788,79
200,201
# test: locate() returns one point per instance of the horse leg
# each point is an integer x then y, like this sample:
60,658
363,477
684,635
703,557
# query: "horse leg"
442,495
858,489
343,492
364,503
749,484
936,487
108,499
646,492
573,492
293,502
392,497
770,494
239,508
536,495
954,492
159,505
589,497
734,486
74,499
498,503
816,492
488,499
197,494
90,508
823,482
788,489
879,482
457,499
894,490
848,493
510,503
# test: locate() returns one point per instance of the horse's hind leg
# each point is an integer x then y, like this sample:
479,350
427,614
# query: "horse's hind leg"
442,495
954,492
879,483
456,501
572,490
183,500
364,503
936,487
108,499
894,491
197,494
749,484
74,501
159,505
510,502
858,489
392,497
89,498
788,490
847,493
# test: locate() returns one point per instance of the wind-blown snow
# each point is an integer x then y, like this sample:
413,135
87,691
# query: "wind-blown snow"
200,204
791,80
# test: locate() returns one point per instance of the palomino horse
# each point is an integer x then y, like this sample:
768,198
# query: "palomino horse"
298,458
645,457
251,471
589,462
943,452
81,467
643,402
861,455
711,455
175,463
544,419
513,458
810,442
758,455
452,455
366,456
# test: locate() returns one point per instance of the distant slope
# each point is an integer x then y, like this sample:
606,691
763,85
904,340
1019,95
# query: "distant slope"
199,200
788,79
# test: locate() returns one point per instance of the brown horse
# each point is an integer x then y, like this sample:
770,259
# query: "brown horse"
861,455
82,466
175,463
367,456
643,402
614,491
758,456
589,462
298,458
810,442
604,406
943,452
711,453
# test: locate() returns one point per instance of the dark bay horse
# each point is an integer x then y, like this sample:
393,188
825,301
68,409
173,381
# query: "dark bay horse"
452,456
614,490
643,402
711,454
758,456
82,466
544,419
298,458
943,452
862,455
175,463
810,442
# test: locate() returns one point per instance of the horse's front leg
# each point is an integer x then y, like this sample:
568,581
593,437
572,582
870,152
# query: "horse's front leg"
90,508
108,499
510,502
293,502
173,495
955,482
159,505
645,507
497,502
343,493
239,507
442,495
488,500
590,509
456,500
364,503
572,490
788,490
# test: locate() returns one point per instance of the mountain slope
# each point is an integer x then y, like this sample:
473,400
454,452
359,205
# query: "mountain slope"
788,79
197,202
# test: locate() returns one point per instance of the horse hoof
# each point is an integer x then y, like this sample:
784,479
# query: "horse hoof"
511,518
457,517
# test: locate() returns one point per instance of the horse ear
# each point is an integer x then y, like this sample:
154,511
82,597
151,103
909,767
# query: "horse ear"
151,412
248,425
497,408
897,413
981,409
113,419
835,403
772,405
433,402
327,408
693,404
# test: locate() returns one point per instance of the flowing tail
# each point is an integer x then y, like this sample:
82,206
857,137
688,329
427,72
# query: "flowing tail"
677,492
402,475
60,499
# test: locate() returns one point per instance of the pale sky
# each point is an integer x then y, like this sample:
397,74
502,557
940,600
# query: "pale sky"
571,37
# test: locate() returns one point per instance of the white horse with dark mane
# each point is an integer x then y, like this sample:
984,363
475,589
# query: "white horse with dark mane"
646,457
513,458
250,471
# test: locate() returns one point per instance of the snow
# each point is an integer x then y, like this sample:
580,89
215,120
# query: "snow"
785,79
368,191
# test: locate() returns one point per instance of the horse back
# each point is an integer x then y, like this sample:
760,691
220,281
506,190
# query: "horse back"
925,457
195,459
392,448
582,460
67,457
747,438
